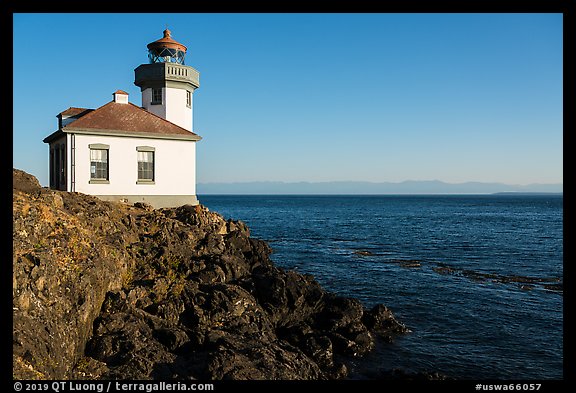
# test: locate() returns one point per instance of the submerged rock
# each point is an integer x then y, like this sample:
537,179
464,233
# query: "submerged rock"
524,283
112,291
364,253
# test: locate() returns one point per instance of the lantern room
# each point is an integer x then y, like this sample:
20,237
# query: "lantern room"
166,50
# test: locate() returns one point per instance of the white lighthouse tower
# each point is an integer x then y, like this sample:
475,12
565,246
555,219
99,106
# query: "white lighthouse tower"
167,84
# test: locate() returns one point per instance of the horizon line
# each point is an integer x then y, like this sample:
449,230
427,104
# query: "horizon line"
520,193
380,182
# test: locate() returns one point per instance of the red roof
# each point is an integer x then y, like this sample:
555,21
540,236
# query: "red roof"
120,92
72,111
126,118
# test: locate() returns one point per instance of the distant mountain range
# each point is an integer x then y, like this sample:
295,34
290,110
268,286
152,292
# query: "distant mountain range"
363,187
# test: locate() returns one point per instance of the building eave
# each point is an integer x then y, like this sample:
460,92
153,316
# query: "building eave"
55,135
119,133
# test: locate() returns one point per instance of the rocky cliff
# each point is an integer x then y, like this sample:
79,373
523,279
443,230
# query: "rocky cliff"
108,290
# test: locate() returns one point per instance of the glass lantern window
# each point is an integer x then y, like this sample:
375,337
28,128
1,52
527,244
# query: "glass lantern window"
166,55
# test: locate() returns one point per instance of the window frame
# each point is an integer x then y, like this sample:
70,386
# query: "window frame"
99,180
156,96
146,180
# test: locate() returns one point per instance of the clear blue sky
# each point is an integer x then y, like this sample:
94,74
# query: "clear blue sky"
318,97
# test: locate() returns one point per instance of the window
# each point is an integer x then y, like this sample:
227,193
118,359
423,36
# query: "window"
188,99
145,164
98,164
156,96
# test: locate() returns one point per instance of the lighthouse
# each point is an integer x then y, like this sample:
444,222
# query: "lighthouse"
128,153
167,83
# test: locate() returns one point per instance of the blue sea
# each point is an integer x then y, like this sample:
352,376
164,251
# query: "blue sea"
476,278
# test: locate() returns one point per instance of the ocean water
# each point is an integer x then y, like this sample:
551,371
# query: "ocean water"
476,278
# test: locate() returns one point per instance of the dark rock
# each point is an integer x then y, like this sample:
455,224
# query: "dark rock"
339,312
319,348
554,287
105,290
88,368
143,205
254,360
295,334
66,256
343,345
410,263
24,182
172,338
381,320
443,270
363,253
236,241
522,282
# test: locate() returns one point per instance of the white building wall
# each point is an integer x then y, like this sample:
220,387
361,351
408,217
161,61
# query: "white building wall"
174,166
173,106
176,109
69,152
158,110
